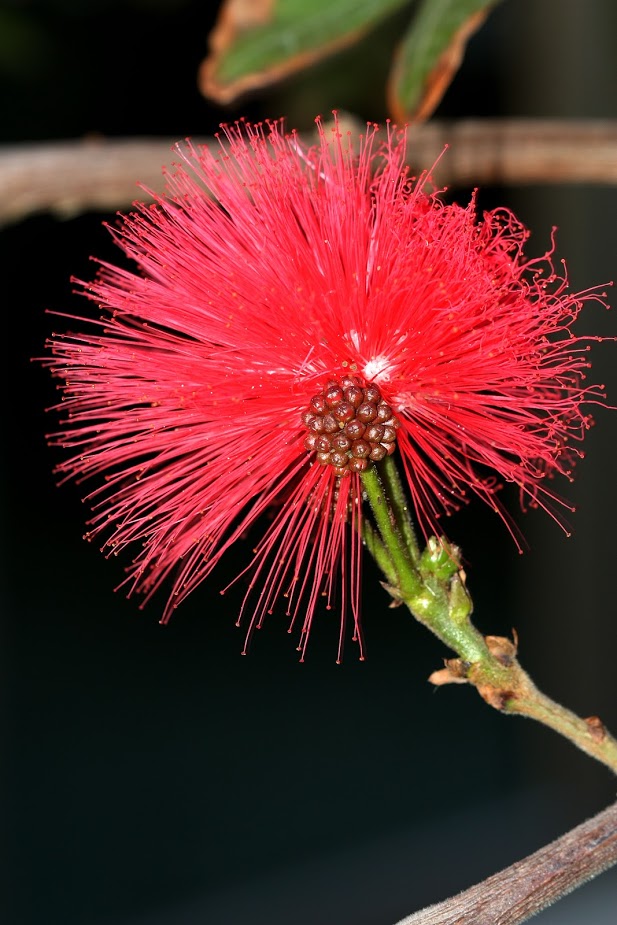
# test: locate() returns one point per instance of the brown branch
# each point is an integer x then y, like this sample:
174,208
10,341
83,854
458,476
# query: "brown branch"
500,680
67,178
518,151
99,174
515,894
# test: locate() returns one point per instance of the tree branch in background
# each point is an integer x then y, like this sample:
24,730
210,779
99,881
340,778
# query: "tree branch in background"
515,894
98,174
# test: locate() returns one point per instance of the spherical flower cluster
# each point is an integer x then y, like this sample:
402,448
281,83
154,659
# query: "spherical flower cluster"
349,426
297,315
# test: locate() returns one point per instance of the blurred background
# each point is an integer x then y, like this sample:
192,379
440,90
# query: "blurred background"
152,775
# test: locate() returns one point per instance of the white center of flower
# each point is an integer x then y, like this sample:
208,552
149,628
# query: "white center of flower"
377,368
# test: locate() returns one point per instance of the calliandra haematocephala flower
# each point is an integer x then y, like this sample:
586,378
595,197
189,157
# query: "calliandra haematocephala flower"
296,315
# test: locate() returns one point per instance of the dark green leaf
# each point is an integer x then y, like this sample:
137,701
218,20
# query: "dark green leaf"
430,55
279,38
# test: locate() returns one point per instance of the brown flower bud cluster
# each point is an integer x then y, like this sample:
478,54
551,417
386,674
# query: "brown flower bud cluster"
349,426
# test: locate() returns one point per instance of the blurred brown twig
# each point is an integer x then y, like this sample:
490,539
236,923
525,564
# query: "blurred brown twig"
67,178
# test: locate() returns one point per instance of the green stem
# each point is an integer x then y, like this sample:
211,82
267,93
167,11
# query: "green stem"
396,493
378,551
444,609
408,578
432,585
590,734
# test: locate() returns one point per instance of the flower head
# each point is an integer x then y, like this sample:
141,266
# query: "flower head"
296,316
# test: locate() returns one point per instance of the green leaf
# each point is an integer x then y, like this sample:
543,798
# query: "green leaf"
431,53
279,38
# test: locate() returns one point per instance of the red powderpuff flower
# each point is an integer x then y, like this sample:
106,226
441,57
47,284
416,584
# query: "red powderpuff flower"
282,333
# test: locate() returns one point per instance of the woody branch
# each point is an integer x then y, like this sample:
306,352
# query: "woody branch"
520,891
70,177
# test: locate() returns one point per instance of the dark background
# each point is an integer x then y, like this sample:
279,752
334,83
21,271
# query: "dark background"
153,775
